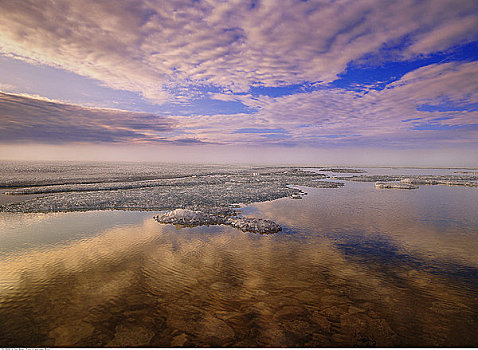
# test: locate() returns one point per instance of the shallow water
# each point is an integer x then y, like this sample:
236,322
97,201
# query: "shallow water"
354,266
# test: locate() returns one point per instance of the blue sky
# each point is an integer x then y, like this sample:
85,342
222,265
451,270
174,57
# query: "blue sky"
188,76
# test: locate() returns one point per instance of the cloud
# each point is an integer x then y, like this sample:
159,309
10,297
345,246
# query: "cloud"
259,131
4,87
33,119
418,109
157,47
430,105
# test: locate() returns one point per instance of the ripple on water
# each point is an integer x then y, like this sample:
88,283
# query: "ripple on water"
322,282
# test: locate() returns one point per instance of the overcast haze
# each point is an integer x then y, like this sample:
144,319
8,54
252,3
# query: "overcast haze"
300,82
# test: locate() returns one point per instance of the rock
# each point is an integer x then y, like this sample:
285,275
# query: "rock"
272,337
188,217
299,328
280,301
397,185
343,170
334,313
186,319
459,183
324,184
69,335
254,225
419,181
259,309
179,340
332,299
454,181
354,310
226,315
289,312
131,336
306,296
196,188
216,331
220,286
469,180
370,178
201,325
224,291
364,330
321,321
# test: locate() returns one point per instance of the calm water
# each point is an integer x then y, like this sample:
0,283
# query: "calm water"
353,266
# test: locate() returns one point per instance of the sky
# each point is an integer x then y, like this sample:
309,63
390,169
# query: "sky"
365,82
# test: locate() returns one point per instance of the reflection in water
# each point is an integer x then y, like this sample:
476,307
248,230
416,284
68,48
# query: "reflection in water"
387,275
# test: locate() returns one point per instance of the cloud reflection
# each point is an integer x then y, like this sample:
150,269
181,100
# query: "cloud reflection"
221,286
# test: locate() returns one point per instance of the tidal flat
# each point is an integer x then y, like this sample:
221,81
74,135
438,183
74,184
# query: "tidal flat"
354,265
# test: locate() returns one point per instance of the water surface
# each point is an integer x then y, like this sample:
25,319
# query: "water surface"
354,266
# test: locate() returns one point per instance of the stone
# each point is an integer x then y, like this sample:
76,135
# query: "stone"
334,313
215,330
204,326
186,319
179,340
131,336
321,321
189,217
226,315
280,301
272,337
220,286
299,328
289,312
343,170
254,225
306,296
469,180
396,185
333,299
363,330
354,310
68,335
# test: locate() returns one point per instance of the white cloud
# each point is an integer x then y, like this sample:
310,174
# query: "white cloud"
415,110
152,47
336,115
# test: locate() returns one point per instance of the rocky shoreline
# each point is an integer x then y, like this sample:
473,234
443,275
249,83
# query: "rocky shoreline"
412,181
195,189
201,188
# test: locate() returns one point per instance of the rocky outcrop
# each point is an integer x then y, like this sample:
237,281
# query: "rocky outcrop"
343,170
440,182
254,225
188,217
419,181
197,188
397,185
412,181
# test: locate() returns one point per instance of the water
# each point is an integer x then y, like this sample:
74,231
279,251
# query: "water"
353,266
